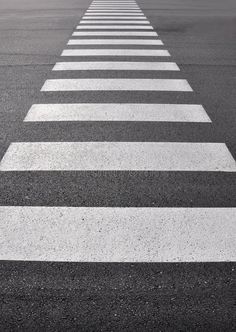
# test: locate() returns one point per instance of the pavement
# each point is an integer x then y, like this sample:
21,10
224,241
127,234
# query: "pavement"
137,232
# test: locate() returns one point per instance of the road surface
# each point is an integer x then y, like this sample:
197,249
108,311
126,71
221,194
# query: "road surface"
117,171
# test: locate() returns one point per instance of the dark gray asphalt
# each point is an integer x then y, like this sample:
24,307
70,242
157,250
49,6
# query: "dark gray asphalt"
200,36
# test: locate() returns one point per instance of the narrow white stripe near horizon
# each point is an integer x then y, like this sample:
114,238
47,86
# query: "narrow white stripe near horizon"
118,156
113,21
117,234
114,17
115,42
117,112
114,52
116,65
114,7
116,14
113,4
116,85
115,33
115,10
116,27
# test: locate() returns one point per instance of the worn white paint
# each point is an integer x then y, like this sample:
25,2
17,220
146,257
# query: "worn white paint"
120,156
117,112
107,234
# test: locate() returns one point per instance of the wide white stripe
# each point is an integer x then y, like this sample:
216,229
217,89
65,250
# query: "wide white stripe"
115,33
113,21
108,234
88,17
115,42
116,65
116,85
114,52
117,112
118,156
116,27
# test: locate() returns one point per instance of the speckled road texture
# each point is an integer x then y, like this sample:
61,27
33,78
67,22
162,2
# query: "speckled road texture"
117,217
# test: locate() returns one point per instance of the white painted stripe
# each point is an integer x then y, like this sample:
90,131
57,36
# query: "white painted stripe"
113,14
113,21
115,42
111,234
115,65
114,52
114,10
116,27
115,33
116,85
133,3
118,156
113,7
113,2
117,112
88,17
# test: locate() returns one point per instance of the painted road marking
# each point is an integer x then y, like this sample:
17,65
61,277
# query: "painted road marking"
114,10
108,234
115,33
114,52
118,156
114,14
88,17
115,42
117,112
114,21
117,27
116,85
114,65
114,7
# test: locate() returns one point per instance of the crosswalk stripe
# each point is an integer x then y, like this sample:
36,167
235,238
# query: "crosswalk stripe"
114,52
114,21
118,156
116,27
117,112
113,7
114,10
116,33
114,2
107,234
115,42
113,14
116,85
115,65
90,17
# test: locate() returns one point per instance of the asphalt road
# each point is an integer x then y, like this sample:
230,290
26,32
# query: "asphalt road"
44,296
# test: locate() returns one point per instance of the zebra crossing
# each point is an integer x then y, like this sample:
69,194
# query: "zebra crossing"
121,233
